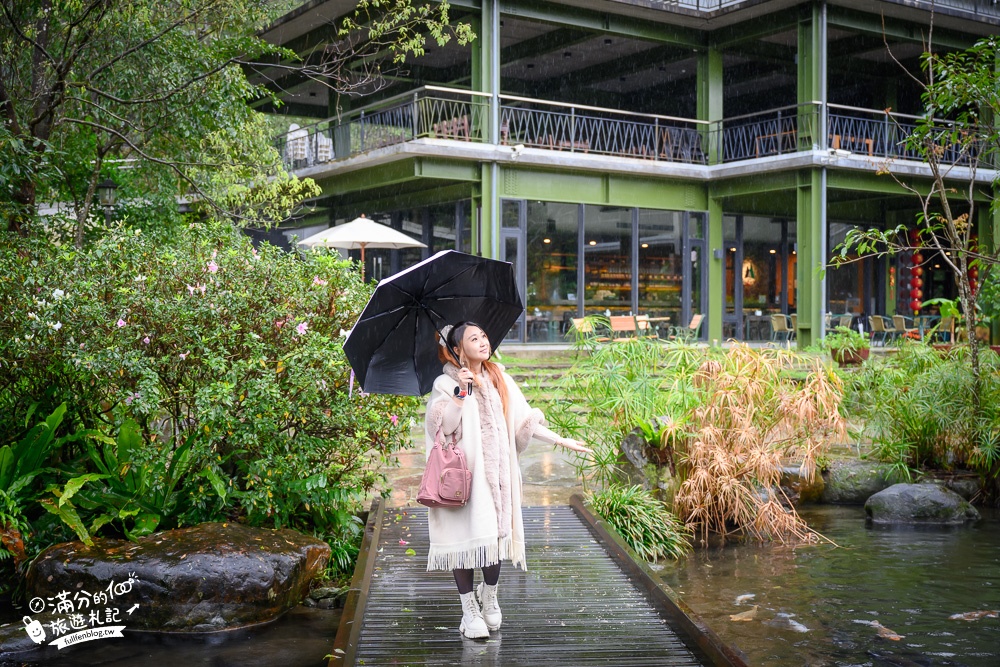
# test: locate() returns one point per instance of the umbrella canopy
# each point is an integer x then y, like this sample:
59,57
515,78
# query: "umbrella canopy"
359,234
393,347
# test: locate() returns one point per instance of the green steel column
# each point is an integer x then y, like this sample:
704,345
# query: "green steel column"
484,69
809,231
810,82
709,103
716,269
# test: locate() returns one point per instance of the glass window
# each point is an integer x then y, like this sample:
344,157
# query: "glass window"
844,284
762,271
464,211
607,251
660,244
553,231
509,213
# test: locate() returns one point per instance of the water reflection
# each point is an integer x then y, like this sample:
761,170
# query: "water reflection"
843,605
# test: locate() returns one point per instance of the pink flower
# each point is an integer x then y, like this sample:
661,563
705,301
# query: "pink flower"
191,290
212,266
302,327
146,340
120,323
183,355
403,543
318,281
394,419
201,287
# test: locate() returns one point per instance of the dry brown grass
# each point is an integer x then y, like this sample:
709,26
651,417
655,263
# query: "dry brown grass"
751,419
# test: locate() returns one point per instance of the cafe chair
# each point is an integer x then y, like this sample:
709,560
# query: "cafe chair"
880,332
780,331
688,333
899,322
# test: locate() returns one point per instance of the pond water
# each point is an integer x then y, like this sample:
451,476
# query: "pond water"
300,638
818,605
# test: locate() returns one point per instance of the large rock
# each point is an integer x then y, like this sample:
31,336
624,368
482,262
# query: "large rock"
215,576
919,503
852,482
801,490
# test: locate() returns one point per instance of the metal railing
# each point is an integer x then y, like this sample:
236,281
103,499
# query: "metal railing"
430,111
583,129
460,115
885,135
772,132
985,8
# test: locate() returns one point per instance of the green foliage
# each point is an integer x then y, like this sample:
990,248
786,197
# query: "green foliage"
645,523
846,339
215,369
920,412
627,385
400,26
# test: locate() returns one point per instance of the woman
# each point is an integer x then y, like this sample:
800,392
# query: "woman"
492,425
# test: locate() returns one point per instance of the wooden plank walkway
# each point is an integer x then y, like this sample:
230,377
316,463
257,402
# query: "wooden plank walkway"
574,606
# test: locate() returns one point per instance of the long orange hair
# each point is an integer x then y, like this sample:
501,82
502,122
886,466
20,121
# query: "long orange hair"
447,356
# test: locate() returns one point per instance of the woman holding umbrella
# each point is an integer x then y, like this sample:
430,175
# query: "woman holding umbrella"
493,425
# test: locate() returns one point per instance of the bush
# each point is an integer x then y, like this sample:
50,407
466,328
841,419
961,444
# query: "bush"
645,523
920,411
207,343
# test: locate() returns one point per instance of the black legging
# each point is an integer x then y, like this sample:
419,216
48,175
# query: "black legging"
463,578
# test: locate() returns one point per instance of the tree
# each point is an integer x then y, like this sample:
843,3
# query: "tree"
155,92
958,130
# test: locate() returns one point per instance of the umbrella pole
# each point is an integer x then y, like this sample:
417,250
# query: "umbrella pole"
362,261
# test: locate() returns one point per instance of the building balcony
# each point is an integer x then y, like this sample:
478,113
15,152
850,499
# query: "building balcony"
460,116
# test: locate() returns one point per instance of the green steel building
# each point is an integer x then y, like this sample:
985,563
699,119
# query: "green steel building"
659,157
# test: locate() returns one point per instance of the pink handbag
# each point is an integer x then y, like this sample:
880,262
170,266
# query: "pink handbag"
447,479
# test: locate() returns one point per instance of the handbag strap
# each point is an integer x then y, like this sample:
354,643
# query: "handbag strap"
440,439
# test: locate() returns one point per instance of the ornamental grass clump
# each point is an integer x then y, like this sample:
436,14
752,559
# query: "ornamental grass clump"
646,524
751,418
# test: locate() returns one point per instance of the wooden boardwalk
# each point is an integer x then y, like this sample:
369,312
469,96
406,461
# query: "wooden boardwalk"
575,605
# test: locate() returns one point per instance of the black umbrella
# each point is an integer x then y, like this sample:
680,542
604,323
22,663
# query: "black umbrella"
393,347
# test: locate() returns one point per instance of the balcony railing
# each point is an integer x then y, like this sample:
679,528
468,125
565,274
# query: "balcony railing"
458,115
985,8
426,112
582,129
773,132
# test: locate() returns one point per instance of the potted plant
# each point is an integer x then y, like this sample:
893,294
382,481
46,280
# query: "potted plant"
847,346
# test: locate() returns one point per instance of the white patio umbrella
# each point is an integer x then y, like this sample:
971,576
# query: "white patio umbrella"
359,234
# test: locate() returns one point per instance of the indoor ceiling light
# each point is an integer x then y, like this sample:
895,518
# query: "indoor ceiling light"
593,243
546,240
773,251
645,245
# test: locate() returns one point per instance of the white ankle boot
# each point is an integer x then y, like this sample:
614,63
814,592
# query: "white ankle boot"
491,608
473,626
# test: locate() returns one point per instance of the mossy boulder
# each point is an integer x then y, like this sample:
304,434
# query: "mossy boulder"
919,504
801,490
215,576
852,482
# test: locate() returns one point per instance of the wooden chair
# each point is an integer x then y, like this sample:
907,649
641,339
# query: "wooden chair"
644,328
794,317
583,327
690,332
779,327
845,321
623,327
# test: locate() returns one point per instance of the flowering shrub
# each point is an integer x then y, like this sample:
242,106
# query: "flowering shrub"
202,335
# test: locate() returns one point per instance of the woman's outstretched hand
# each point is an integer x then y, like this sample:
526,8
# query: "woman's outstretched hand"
574,445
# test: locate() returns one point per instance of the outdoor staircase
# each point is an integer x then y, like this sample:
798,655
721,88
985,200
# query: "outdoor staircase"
538,371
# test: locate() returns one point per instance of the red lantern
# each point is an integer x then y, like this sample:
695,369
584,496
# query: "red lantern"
974,272
914,271
914,236
918,294
918,258
914,305
919,270
973,285
920,282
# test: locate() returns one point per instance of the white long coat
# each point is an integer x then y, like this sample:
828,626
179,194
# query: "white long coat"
477,535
